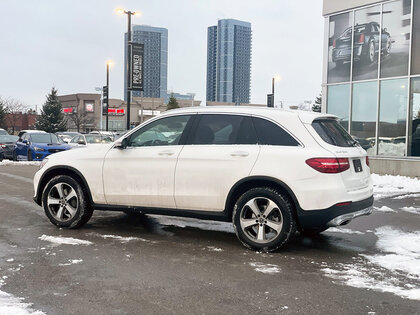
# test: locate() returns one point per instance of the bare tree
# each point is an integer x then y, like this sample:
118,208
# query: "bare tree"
79,119
14,109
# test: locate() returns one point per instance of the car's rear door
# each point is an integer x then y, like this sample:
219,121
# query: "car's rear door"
221,150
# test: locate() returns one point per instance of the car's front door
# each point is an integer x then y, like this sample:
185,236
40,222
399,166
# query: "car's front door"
21,147
220,151
143,173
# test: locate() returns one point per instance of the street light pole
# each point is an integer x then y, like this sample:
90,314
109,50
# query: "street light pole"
107,86
129,14
272,89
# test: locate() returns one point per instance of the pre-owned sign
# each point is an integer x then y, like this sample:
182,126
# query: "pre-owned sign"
137,55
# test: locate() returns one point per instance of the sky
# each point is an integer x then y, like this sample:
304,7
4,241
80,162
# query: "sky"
67,43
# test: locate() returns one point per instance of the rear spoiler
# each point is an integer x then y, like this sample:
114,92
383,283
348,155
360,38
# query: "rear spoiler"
309,117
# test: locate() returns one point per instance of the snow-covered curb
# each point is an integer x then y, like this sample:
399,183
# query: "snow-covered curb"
15,163
389,185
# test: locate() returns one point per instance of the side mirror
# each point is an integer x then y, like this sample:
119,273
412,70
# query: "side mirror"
121,144
25,142
81,142
385,30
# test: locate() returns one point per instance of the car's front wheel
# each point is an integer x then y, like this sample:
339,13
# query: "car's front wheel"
30,156
66,203
263,219
14,156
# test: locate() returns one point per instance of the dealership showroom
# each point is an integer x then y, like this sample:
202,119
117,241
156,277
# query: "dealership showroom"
371,78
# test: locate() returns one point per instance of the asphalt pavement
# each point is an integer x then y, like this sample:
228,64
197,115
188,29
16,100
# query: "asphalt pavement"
134,264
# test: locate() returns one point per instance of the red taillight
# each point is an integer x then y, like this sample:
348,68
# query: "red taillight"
342,204
361,38
334,43
329,165
2,145
367,160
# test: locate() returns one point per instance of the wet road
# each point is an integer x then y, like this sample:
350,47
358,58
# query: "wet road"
133,264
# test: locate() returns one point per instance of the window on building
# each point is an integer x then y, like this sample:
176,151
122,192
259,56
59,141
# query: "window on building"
395,38
415,45
338,102
364,109
339,48
366,41
414,127
392,117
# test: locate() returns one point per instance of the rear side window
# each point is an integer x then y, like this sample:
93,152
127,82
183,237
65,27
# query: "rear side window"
333,133
271,134
224,129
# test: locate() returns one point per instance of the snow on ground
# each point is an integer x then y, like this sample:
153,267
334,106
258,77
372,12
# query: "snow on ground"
214,249
265,268
122,239
72,262
10,304
16,163
395,270
407,196
383,209
64,240
411,210
343,230
389,185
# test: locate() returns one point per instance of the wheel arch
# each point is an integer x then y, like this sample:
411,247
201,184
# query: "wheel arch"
260,181
61,170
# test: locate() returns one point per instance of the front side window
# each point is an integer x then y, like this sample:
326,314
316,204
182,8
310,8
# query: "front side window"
271,134
224,129
162,132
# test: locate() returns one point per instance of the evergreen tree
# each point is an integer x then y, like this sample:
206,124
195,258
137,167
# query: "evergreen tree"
172,104
316,107
51,118
2,114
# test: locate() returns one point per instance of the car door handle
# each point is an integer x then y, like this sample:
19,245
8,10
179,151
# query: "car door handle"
166,152
239,153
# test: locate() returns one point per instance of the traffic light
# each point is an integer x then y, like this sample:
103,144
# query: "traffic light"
105,100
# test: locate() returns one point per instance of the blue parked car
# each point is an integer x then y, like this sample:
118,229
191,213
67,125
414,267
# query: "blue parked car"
35,146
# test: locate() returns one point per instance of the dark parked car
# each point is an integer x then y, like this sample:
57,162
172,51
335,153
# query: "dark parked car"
36,146
366,44
1,154
7,144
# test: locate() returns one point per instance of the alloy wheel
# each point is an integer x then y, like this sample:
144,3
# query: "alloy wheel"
261,220
62,202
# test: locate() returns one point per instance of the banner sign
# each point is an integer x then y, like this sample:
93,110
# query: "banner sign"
116,111
137,55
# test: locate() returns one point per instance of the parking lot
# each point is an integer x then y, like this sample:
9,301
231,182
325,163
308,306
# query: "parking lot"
129,263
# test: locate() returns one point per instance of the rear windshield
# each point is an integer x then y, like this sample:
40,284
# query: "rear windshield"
333,133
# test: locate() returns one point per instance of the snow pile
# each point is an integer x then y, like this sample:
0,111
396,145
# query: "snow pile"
383,209
396,270
9,162
121,238
389,186
407,196
265,268
214,249
64,240
10,304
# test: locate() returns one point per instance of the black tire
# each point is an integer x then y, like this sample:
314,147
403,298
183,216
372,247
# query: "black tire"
368,58
313,232
30,157
84,209
14,156
283,207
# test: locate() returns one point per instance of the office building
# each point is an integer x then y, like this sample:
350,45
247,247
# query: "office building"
229,61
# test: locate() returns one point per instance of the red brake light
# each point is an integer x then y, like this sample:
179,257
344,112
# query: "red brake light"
367,160
334,43
329,165
362,38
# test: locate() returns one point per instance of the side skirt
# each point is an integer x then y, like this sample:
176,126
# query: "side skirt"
203,215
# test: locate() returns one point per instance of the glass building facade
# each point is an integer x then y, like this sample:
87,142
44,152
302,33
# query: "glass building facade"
372,75
155,40
229,61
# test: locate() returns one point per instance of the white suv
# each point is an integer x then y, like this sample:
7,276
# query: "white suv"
271,172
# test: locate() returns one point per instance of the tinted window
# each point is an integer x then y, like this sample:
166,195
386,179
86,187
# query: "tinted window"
333,133
224,129
44,138
165,131
272,134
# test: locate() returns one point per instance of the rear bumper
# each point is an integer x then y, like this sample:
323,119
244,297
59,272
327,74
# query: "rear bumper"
335,215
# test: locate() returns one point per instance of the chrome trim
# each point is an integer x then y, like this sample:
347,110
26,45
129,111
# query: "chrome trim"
349,216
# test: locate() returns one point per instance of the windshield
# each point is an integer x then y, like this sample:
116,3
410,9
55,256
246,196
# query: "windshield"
45,138
333,133
6,139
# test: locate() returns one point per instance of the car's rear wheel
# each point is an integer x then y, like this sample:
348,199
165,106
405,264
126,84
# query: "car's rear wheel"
263,219
30,157
66,202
